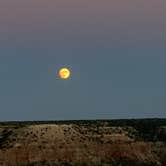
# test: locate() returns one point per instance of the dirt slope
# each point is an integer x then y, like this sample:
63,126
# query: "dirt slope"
52,144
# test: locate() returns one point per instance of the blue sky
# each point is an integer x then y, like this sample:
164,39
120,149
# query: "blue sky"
115,50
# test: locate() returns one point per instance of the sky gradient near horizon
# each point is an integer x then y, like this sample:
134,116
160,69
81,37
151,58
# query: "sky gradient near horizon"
115,49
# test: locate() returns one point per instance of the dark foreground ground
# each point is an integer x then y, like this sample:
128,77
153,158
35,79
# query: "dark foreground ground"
136,142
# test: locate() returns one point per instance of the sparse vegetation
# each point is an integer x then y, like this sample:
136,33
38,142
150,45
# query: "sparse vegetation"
84,143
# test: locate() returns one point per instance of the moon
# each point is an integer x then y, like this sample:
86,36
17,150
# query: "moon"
64,73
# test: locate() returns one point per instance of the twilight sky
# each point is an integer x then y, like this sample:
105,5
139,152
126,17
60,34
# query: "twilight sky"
116,50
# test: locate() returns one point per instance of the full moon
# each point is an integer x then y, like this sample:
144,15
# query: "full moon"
64,73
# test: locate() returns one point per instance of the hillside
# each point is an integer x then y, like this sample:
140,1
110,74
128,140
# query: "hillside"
108,142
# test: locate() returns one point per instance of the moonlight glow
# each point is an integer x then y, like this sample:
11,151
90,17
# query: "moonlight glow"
64,73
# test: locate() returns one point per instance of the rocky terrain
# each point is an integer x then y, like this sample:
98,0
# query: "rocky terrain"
84,143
